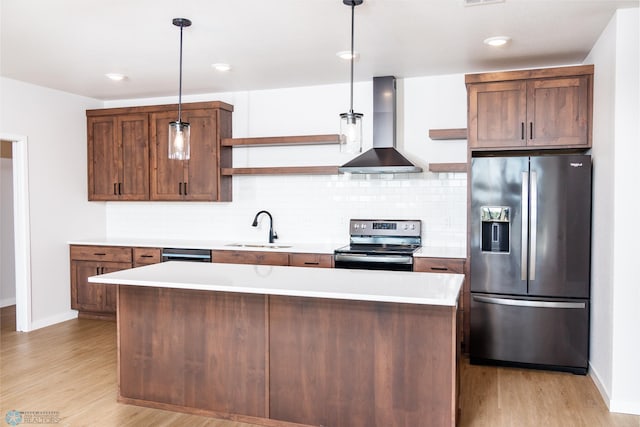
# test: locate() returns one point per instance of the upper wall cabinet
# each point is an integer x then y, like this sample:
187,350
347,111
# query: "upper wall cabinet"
127,149
530,109
118,149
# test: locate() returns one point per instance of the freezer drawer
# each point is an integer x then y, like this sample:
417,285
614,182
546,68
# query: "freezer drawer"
550,333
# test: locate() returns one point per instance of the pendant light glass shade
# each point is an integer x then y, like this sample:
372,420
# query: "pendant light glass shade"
179,141
351,123
351,132
179,132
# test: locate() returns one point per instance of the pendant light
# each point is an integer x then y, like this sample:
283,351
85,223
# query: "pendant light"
179,131
351,123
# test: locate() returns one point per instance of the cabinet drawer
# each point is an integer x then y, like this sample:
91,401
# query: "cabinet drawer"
251,257
439,265
146,256
311,260
101,253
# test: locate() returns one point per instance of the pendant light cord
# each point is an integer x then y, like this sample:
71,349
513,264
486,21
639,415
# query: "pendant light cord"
180,83
353,6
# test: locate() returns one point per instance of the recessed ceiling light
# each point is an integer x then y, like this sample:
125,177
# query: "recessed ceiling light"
497,41
221,67
346,55
116,77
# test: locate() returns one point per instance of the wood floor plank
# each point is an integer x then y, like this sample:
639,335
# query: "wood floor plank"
71,368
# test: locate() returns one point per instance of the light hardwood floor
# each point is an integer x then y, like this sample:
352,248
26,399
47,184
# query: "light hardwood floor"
70,368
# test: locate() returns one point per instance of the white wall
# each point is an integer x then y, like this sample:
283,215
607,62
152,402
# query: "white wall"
7,264
615,347
317,208
55,125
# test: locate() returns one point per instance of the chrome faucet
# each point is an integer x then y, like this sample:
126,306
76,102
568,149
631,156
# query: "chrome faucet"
272,234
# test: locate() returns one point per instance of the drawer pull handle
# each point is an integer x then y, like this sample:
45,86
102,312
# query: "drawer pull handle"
99,254
439,268
311,263
146,256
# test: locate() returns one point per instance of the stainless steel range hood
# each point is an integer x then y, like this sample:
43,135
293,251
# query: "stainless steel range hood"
383,157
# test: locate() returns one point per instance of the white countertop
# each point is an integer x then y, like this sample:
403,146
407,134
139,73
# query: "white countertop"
316,248
361,285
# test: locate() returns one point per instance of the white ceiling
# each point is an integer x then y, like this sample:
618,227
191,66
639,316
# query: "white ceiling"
70,44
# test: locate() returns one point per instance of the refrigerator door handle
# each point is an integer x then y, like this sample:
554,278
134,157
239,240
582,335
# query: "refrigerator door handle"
528,303
534,225
524,226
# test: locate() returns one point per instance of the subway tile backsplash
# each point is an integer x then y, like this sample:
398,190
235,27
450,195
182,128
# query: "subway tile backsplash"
314,208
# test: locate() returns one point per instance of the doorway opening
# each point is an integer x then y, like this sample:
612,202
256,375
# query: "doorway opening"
21,229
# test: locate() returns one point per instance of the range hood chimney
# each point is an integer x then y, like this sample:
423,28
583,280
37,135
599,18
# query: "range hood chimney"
383,157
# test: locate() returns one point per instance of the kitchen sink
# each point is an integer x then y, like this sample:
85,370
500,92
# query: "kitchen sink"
258,245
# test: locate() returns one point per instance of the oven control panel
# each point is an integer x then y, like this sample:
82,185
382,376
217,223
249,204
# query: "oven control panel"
383,227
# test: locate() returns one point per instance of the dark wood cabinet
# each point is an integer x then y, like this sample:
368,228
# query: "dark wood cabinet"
250,257
530,109
273,258
451,266
311,260
196,179
93,300
127,153
118,157
146,256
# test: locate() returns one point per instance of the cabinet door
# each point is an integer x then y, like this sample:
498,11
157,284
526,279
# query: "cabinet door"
103,158
85,296
558,112
93,297
167,176
202,171
497,114
133,142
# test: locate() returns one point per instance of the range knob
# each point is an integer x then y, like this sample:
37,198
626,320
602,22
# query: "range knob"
356,226
364,226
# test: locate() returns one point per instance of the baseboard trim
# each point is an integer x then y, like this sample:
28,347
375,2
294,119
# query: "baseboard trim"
593,373
617,406
6,302
52,320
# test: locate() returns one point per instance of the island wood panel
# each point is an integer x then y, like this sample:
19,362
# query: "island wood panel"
362,364
195,351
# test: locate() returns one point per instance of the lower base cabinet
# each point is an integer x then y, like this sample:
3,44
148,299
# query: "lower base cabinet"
93,300
451,266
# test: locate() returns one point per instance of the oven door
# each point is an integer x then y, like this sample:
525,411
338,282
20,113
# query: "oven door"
373,262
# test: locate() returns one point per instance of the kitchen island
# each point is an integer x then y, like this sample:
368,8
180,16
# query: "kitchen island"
284,346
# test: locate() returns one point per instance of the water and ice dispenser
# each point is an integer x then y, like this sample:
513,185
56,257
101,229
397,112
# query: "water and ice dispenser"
495,228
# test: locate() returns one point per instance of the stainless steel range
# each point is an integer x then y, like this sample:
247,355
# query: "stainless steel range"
380,245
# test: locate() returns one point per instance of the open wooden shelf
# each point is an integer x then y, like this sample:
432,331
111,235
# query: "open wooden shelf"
448,134
447,167
281,140
283,170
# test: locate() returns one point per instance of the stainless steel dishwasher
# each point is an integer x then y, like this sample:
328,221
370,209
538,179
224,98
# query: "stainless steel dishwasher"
179,254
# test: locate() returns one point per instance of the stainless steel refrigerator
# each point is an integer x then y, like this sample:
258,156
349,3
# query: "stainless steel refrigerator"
530,261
